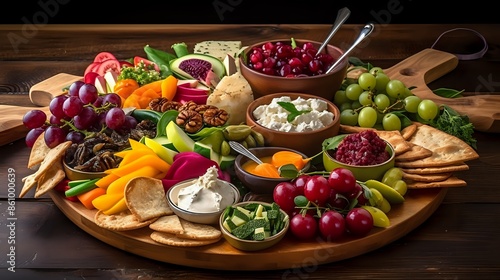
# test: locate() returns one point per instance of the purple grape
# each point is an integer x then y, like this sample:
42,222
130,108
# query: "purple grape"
72,106
112,98
56,106
74,88
54,136
115,118
98,102
75,137
34,118
130,122
32,135
88,93
85,118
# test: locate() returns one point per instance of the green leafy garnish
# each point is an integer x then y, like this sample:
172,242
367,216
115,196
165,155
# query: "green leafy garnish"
143,73
290,107
451,122
448,93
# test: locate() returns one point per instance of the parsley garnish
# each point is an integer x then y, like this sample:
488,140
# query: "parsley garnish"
290,107
450,121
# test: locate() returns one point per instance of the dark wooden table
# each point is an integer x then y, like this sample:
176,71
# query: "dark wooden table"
459,241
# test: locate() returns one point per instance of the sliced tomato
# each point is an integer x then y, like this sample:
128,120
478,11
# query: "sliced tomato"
124,63
102,56
92,67
138,59
109,65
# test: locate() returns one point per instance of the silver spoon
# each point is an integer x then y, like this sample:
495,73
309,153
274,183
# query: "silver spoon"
367,29
244,151
342,16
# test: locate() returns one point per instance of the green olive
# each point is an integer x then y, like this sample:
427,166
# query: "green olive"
392,175
401,187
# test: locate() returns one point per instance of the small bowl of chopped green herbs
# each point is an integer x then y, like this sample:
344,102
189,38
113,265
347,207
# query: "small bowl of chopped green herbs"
253,225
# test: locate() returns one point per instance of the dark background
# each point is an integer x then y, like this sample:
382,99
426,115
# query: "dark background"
246,12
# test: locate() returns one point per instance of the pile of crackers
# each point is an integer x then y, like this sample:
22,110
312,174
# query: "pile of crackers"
428,157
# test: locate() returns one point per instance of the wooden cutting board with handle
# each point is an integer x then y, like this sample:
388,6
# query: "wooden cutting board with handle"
428,65
417,70
11,125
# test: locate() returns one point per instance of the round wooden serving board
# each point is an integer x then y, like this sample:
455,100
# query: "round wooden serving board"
289,253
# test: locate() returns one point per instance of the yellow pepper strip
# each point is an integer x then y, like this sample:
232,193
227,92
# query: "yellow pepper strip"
169,87
106,201
147,160
120,206
118,186
106,180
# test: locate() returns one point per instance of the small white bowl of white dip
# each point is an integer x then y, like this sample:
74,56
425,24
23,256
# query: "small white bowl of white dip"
202,200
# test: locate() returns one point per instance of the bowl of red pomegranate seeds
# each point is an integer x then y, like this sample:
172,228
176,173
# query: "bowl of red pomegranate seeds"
364,153
293,65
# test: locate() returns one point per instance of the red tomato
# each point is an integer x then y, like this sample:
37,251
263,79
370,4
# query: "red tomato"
109,65
92,67
103,56
138,59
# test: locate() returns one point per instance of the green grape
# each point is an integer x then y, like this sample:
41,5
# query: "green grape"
391,122
367,117
407,92
380,117
401,187
411,103
392,175
345,106
376,70
395,89
427,109
381,82
355,105
365,98
367,81
382,101
353,91
340,98
349,117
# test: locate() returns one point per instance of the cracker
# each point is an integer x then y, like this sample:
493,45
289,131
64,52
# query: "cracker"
50,179
29,182
438,169
450,182
38,152
427,178
414,153
122,221
169,224
408,131
145,197
174,240
446,149
198,231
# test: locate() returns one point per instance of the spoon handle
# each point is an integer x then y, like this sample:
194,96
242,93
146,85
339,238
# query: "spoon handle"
342,16
367,29
244,151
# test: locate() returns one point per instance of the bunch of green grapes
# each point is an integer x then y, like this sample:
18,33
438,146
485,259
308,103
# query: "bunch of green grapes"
376,101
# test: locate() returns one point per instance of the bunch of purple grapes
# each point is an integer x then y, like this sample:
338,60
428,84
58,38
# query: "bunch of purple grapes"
76,114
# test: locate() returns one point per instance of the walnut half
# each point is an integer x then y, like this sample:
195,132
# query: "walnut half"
190,120
215,116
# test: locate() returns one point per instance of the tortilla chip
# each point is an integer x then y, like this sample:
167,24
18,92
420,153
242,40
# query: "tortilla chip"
437,169
122,221
414,153
145,197
174,240
50,179
38,152
446,149
450,182
169,224
53,156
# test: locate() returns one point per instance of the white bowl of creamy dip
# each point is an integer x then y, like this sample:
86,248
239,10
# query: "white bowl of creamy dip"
203,199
